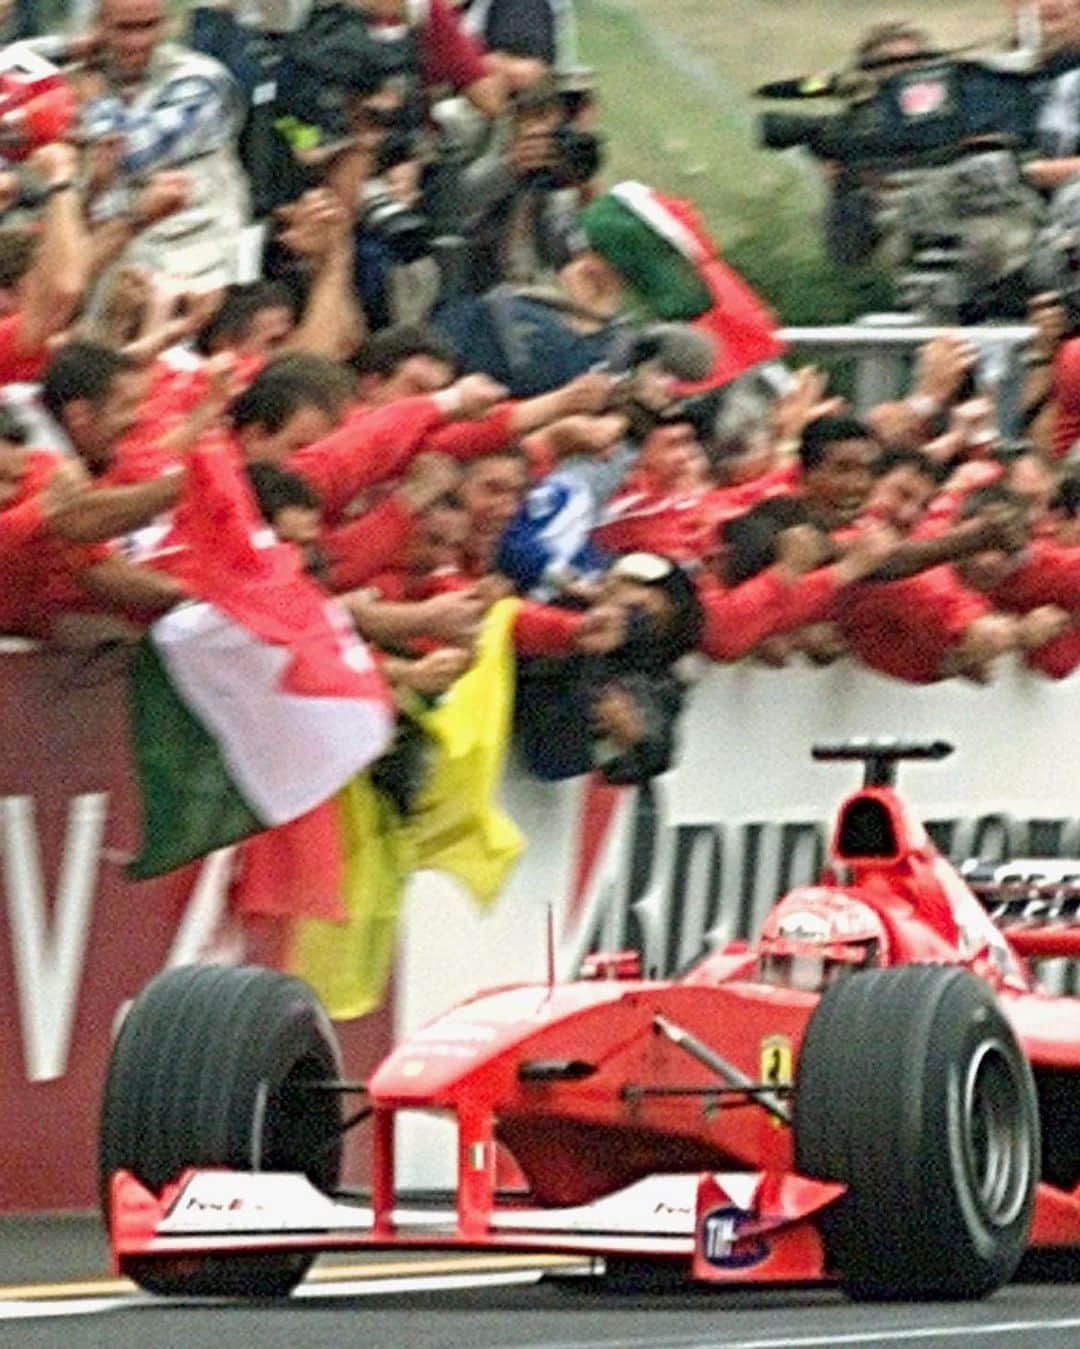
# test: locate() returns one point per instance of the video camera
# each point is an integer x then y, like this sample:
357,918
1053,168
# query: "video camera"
929,151
924,113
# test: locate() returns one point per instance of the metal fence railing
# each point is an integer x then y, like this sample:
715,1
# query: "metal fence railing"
881,349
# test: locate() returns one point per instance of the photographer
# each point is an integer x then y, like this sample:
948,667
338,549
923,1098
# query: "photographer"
617,710
345,122
524,194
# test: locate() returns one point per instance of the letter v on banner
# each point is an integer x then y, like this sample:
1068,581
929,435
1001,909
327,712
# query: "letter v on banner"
49,955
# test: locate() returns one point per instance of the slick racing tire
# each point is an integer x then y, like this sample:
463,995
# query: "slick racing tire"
912,1091
209,1069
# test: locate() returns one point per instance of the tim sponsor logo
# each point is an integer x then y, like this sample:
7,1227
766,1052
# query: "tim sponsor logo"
724,1246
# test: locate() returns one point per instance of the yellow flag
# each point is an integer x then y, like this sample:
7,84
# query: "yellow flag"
456,826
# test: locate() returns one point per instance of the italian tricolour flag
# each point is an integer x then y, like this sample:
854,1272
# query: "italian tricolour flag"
255,702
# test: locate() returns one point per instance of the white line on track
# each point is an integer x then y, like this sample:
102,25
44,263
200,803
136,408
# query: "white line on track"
828,1341
75,1306
443,1283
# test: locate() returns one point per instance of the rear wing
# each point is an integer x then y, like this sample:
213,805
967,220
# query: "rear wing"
1034,901
880,757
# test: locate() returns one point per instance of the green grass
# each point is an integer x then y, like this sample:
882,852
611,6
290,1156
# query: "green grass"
674,120
749,41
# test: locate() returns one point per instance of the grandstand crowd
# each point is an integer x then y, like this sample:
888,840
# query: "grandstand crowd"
457,367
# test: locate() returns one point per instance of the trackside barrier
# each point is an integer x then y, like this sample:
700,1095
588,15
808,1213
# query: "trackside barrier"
881,346
77,940
699,855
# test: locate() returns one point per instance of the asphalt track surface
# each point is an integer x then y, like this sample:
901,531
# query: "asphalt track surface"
56,1294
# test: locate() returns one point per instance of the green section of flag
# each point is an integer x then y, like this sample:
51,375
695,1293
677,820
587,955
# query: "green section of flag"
189,804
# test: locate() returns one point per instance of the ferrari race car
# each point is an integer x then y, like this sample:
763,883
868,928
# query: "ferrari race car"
878,1092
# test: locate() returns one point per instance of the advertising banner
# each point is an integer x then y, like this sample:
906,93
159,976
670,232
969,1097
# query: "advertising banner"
77,939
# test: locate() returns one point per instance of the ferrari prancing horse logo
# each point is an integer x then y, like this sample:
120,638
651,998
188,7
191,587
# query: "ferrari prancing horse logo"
777,1061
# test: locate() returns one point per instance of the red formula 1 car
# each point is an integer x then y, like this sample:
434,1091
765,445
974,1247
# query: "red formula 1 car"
877,1092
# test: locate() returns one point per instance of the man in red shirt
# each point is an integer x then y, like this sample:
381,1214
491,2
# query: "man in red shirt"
43,275
1039,584
492,490
55,525
400,362
664,506
779,577
909,618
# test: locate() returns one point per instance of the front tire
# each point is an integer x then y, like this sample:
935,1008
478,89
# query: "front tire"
210,1069
913,1092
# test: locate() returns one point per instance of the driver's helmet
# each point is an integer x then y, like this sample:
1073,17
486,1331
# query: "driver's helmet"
816,936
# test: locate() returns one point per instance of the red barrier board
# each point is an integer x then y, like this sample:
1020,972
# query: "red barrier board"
77,940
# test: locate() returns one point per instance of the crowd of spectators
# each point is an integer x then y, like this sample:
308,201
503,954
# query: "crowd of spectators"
459,370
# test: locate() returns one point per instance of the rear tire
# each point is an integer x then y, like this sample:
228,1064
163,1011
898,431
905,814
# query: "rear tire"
913,1092
208,1070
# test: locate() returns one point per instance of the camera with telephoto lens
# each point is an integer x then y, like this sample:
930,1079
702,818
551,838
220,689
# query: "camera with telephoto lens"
403,231
576,158
407,231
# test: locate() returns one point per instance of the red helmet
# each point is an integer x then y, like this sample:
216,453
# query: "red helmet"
815,936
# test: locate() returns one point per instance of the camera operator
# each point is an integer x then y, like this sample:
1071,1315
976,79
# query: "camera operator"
931,181
852,228
524,194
